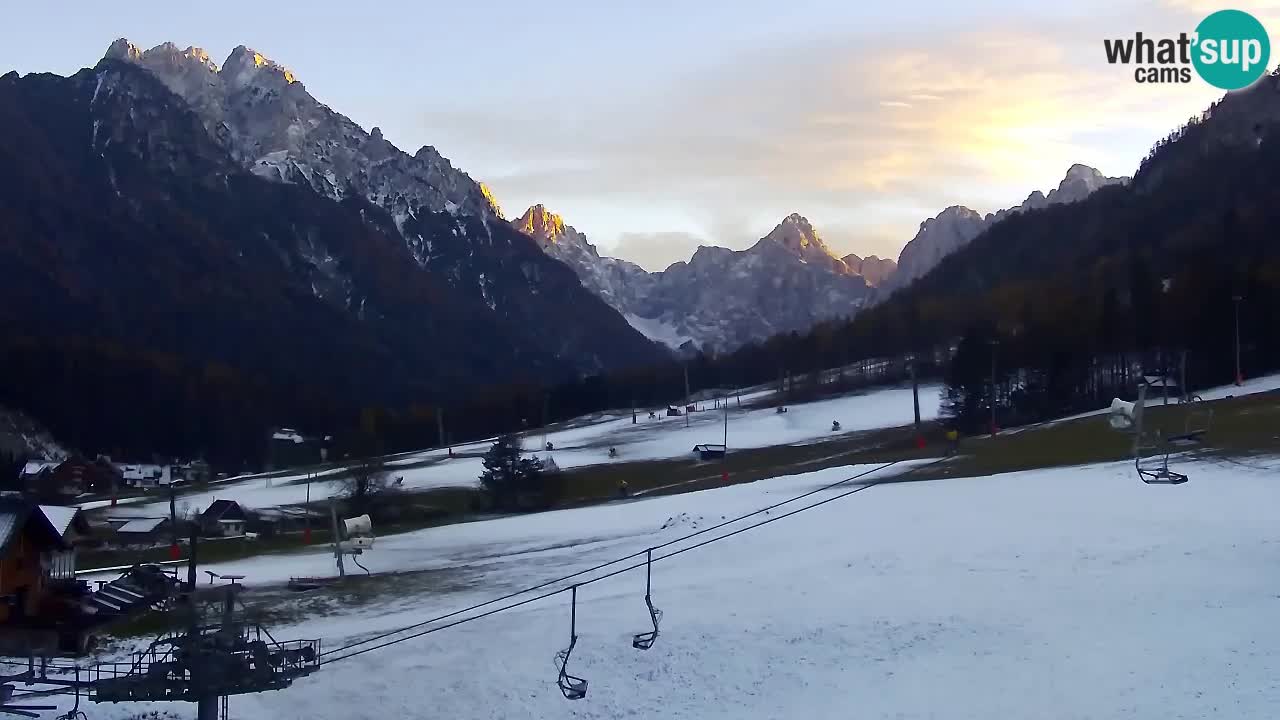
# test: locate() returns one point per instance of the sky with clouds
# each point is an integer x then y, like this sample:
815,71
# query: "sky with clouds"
655,127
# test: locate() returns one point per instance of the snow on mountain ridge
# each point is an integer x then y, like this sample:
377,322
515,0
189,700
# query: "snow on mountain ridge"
263,114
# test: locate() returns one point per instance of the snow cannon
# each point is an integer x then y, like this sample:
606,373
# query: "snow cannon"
356,545
1122,414
361,525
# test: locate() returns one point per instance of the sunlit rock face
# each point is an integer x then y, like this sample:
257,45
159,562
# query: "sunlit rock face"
719,299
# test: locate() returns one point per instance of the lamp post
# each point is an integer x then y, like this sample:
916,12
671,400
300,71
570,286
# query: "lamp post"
995,345
1239,375
726,424
306,529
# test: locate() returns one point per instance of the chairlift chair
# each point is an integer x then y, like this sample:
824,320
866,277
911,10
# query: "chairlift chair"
1155,470
1151,459
572,687
644,640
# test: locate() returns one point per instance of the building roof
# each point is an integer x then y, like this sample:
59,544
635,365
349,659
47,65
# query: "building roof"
15,514
59,517
141,525
218,508
10,519
282,513
141,471
36,466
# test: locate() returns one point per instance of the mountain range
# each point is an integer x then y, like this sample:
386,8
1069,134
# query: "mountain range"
222,224
224,239
719,299
788,281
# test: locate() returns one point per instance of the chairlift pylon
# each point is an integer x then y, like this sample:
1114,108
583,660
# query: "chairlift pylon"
572,687
644,640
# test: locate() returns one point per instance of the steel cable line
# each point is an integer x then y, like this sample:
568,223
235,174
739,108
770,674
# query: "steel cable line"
601,566
620,571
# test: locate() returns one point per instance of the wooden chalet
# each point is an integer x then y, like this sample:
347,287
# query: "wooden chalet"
37,552
223,518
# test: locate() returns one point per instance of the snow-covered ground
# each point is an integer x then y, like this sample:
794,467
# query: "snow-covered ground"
1063,593
586,441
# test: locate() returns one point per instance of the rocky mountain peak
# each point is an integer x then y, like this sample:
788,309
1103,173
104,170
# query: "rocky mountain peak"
875,270
1083,172
796,234
165,57
541,223
260,112
245,65
956,226
1080,182
123,50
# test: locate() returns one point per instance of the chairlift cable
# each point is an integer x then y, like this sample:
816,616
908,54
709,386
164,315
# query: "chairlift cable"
620,571
601,566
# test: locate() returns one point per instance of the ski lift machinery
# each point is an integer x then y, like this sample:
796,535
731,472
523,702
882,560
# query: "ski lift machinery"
1151,451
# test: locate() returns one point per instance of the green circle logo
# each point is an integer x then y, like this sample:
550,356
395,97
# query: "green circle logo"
1231,49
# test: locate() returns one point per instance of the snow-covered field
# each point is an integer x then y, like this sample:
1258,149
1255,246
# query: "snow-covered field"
586,441
1063,593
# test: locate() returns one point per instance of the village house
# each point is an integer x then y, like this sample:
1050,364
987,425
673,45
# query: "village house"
73,528
194,472
144,532
290,448
59,483
36,553
283,520
223,518
146,475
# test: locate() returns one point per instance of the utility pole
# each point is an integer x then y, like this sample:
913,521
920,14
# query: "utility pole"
1164,374
174,552
1182,377
191,559
686,393
306,530
337,539
1239,375
995,344
915,399
726,424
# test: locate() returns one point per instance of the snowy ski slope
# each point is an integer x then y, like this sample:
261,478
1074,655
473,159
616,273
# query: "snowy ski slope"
1063,593
586,441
